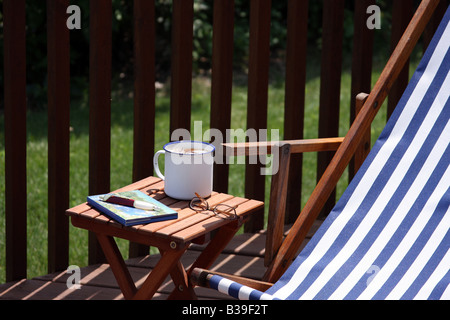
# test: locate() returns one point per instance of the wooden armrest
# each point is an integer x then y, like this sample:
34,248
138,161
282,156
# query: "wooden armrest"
297,146
200,277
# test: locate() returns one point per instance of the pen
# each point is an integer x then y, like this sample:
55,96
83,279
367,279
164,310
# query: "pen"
111,198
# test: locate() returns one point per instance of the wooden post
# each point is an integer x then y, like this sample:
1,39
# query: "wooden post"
144,88
58,53
361,61
402,11
296,48
434,23
181,80
15,138
222,82
330,83
144,98
99,107
258,82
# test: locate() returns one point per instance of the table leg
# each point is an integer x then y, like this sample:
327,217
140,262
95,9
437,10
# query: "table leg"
216,246
205,260
118,266
182,289
169,260
169,263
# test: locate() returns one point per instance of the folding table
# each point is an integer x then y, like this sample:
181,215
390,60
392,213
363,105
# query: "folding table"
171,237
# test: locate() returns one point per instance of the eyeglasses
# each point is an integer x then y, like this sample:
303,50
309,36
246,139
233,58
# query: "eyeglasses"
224,211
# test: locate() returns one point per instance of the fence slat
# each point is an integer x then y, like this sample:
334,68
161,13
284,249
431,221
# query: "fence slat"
222,82
296,49
258,81
15,138
402,12
144,97
330,82
144,88
99,107
434,22
361,60
181,80
58,55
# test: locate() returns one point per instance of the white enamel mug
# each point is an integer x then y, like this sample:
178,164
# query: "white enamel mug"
188,169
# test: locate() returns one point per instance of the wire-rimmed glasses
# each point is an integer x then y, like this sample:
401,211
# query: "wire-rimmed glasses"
224,211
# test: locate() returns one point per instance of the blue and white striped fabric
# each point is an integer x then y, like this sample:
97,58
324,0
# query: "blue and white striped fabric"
237,290
388,236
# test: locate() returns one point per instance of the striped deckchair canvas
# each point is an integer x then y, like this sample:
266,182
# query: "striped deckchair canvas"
388,236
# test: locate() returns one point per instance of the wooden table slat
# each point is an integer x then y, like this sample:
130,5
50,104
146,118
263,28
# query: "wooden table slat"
182,214
156,190
213,221
89,214
82,207
141,184
196,218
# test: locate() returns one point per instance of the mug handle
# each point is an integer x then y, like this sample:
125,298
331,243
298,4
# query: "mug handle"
156,165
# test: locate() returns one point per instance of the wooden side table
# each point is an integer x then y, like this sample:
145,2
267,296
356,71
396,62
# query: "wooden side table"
171,237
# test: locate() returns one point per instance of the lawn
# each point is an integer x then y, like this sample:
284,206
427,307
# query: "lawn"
121,154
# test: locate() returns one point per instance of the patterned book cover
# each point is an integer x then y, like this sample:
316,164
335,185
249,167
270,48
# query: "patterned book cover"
129,216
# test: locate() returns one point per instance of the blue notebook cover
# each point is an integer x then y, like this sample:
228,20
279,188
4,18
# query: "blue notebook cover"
129,216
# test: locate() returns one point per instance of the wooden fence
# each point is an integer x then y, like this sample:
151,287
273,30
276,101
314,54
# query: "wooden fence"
181,76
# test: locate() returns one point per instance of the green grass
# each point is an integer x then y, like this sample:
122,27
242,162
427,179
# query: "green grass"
121,154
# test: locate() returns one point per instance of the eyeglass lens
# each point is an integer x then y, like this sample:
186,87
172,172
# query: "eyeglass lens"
226,211
223,210
199,204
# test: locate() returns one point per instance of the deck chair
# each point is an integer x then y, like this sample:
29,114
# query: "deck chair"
388,235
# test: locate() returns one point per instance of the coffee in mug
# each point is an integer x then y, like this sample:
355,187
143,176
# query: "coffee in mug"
188,168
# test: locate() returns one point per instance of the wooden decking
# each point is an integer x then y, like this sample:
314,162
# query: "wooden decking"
244,256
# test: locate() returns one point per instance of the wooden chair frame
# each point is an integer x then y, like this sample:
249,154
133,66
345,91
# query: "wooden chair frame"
281,252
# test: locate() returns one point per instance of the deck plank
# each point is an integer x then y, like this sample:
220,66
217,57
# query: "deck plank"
34,289
244,256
